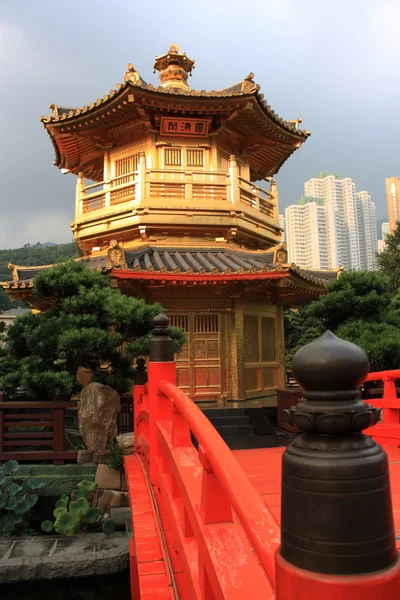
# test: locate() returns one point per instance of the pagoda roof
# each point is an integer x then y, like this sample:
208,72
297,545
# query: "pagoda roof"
239,112
189,264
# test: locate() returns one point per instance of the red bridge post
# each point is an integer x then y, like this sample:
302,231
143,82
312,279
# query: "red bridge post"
338,537
161,366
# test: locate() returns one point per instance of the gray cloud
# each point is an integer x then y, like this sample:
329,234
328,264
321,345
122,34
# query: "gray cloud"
335,63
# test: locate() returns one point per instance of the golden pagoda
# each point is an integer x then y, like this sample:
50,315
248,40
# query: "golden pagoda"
167,206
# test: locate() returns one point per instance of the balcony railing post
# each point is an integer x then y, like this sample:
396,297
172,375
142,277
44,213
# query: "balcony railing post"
79,195
138,389
338,538
390,415
256,198
140,193
214,505
161,366
275,198
234,180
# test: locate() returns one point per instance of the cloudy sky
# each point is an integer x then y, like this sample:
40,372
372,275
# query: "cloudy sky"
335,63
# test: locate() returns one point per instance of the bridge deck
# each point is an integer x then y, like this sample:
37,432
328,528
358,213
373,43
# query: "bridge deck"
152,550
264,469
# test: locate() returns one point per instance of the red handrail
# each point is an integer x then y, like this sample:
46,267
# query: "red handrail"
257,521
384,375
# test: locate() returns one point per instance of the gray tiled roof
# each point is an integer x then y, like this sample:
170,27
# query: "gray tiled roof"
199,260
189,261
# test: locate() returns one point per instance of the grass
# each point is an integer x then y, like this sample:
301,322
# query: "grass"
58,479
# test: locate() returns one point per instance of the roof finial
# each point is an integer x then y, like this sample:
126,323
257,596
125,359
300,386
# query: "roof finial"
174,68
132,75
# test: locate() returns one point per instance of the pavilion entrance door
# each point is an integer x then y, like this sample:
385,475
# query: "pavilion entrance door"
199,363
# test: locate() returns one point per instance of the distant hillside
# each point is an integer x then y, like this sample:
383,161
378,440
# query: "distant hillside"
31,256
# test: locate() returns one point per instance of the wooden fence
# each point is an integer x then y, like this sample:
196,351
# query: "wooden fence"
33,430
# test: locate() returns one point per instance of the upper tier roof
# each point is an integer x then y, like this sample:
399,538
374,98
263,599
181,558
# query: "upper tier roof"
238,113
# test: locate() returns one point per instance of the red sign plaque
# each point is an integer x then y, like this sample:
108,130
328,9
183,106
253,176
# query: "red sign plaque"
182,127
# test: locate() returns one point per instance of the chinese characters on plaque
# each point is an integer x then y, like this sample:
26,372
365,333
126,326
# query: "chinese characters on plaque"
192,127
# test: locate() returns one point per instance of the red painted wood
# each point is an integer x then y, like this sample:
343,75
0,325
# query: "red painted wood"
258,523
296,584
149,570
264,467
213,551
155,275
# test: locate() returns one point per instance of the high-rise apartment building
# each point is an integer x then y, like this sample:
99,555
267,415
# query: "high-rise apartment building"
368,238
344,230
306,239
385,230
393,201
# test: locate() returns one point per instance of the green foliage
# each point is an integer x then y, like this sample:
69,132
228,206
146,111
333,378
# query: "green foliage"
16,499
47,526
380,341
74,513
35,483
389,259
361,307
300,329
87,487
10,467
116,453
31,256
108,526
67,523
79,507
355,295
87,325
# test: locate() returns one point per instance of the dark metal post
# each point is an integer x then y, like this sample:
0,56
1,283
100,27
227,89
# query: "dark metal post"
336,502
161,345
161,367
140,375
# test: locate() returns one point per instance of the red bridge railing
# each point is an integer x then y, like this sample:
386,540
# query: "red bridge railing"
214,510
386,432
229,544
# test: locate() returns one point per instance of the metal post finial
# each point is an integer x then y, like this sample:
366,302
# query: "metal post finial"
161,345
336,502
140,375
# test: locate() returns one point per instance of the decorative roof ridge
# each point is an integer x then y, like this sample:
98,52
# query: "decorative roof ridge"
245,87
290,125
293,268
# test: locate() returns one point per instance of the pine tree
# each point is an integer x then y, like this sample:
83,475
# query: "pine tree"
360,307
88,324
389,258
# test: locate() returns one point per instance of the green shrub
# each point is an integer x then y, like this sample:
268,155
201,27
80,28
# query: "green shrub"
16,499
115,455
74,513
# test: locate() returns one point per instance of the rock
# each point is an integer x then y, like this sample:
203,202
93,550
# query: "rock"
101,457
49,557
98,413
84,457
112,499
108,478
126,440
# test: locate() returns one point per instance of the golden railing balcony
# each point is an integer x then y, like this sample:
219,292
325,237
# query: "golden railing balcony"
188,186
207,194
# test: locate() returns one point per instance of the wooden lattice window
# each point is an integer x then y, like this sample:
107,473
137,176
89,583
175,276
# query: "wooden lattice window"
126,165
180,321
206,324
195,157
259,339
173,157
